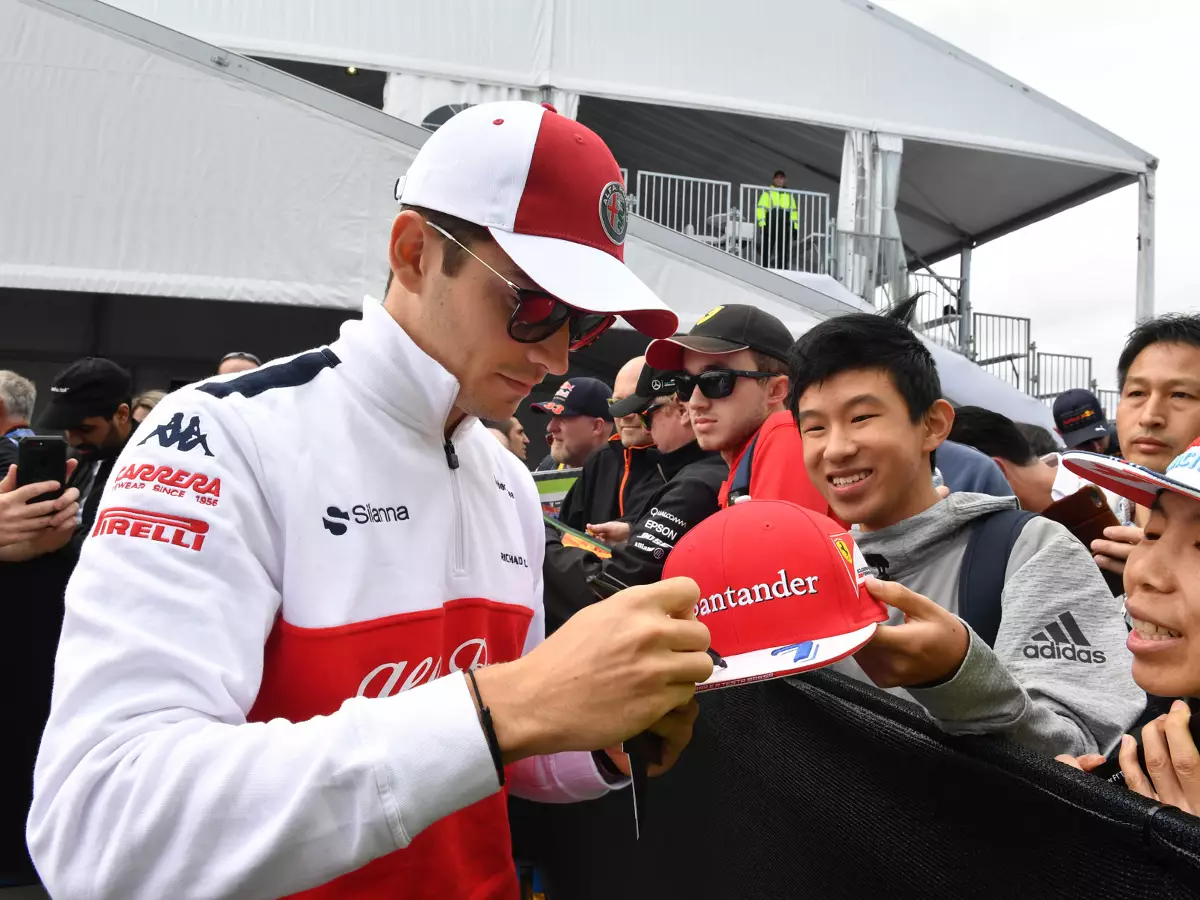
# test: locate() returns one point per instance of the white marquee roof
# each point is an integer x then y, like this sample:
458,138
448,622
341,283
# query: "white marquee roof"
153,164
677,79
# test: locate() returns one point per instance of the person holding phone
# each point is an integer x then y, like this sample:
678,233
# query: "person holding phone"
1162,584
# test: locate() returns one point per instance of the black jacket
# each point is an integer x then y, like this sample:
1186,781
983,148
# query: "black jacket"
615,483
688,498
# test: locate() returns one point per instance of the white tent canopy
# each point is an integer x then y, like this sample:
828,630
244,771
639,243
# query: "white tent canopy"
673,85
153,164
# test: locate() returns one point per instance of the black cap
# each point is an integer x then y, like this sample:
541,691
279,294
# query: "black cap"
726,329
1079,417
652,384
578,397
89,387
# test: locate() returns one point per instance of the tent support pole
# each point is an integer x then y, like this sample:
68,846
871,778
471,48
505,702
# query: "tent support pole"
1145,266
965,342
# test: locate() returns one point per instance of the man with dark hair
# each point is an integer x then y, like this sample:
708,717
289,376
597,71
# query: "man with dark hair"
89,403
1158,415
1033,650
314,663
1033,479
732,370
513,433
1041,441
1080,420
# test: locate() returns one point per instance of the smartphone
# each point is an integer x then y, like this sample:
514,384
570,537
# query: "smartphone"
42,458
1086,514
1110,769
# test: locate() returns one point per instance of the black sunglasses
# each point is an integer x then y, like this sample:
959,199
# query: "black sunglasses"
647,414
539,314
715,383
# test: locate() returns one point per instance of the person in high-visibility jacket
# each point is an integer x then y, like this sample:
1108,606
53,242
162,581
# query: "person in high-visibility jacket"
775,207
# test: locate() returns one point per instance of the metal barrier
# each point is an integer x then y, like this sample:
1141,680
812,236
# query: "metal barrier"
790,230
698,207
1058,372
625,177
1002,346
1109,400
936,313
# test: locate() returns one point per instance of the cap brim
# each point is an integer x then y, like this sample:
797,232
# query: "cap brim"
790,659
667,354
1083,435
627,406
59,417
589,280
1126,479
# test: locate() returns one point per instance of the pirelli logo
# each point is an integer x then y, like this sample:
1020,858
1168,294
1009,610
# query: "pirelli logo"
163,528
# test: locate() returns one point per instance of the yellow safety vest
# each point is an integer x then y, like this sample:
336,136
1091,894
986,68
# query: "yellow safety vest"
774,199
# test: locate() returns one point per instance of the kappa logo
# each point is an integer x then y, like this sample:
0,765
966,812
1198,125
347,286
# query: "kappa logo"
1062,639
178,531
168,480
173,434
614,211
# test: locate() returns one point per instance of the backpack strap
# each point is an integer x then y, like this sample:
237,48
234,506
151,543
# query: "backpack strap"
981,576
739,484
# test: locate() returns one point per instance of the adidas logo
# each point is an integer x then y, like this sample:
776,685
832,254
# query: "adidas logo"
1062,639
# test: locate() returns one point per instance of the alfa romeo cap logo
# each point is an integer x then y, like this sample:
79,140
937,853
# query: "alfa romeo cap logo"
614,211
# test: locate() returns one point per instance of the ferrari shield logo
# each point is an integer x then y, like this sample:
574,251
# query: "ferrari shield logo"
708,315
614,211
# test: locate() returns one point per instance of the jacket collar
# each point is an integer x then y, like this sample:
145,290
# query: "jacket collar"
403,379
689,453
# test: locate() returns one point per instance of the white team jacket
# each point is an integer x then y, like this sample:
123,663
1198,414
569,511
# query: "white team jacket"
246,699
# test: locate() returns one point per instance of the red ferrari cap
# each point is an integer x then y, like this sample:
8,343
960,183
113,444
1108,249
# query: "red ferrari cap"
782,590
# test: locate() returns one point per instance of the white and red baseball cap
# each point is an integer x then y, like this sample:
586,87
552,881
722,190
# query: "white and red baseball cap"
782,590
1139,484
552,196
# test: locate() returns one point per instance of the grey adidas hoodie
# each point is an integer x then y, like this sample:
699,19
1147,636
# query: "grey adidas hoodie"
1041,686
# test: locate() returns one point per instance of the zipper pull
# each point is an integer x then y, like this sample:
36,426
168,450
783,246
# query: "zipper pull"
451,456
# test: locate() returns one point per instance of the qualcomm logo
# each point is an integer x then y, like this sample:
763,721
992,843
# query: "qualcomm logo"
336,521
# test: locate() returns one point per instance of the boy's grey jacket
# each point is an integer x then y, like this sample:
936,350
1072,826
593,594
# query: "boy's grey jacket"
1058,680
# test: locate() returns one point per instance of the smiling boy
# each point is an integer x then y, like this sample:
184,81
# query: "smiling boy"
867,399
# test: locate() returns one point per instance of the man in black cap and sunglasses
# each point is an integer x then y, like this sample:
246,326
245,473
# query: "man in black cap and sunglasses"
733,376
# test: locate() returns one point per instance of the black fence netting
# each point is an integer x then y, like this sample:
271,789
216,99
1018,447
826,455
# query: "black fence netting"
821,787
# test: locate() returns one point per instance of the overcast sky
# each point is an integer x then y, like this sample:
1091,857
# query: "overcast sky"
1130,66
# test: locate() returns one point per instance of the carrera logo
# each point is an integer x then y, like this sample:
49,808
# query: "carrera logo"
170,481
174,434
178,531
781,589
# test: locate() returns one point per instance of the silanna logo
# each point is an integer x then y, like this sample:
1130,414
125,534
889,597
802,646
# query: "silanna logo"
337,521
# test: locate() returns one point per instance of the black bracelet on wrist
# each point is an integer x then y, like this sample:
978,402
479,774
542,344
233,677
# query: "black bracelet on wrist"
489,730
